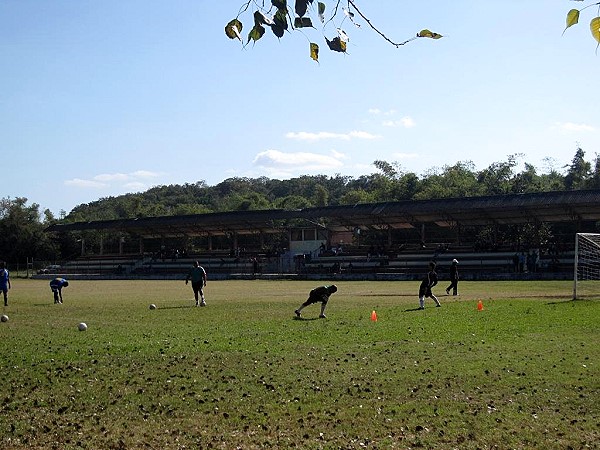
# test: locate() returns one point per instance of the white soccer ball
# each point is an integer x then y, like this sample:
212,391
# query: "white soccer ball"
82,326
4,318
152,306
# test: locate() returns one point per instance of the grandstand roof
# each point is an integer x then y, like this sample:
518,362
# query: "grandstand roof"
504,209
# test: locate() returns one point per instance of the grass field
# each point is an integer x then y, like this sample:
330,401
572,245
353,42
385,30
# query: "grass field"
243,373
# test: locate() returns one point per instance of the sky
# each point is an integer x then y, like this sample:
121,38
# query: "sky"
103,98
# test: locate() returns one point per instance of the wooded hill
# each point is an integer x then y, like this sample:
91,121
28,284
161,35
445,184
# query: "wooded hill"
22,226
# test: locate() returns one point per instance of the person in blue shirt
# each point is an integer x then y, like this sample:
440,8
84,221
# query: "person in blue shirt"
4,281
56,285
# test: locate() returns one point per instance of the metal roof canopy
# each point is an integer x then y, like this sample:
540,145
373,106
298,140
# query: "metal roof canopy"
469,211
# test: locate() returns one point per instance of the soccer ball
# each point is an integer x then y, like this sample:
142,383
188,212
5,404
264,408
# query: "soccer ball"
152,306
82,326
4,318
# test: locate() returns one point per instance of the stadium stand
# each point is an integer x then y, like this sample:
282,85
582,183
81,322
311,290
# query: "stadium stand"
411,233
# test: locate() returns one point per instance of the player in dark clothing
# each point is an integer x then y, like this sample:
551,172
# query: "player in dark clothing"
453,278
56,285
321,295
198,276
4,281
430,280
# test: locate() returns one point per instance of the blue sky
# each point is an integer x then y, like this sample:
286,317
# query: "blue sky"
101,98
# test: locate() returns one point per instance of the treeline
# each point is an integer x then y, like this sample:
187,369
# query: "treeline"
21,226
389,183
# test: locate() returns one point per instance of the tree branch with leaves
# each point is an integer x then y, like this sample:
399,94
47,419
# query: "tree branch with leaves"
281,17
573,19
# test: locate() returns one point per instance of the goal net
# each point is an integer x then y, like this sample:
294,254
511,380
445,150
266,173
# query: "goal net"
587,266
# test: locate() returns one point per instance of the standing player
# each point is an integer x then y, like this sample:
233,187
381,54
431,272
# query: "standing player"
4,281
453,278
56,285
198,276
320,294
430,280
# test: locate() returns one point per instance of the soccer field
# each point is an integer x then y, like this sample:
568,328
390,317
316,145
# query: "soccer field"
243,373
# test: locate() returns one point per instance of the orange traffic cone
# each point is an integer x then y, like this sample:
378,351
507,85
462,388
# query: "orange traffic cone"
374,316
480,306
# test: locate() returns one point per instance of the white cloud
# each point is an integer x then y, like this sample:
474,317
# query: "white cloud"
145,174
79,183
273,160
405,122
306,136
135,186
405,155
108,177
377,111
129,181
570,126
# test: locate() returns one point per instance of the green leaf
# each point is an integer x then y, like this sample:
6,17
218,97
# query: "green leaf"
314,51
259,18
233,29
280,23
279,4
256,33
322,12
301,7
572,18
303,22
337,45
595,28
429,34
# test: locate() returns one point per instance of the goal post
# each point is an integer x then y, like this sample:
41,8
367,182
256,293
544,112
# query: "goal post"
586,269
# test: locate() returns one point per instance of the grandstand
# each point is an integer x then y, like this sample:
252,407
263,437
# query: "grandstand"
392,240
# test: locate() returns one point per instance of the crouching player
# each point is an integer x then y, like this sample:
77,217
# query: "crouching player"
56,285
321,295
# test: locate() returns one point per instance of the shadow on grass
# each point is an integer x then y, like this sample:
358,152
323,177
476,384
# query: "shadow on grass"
387,295
178,307
572,301
306,318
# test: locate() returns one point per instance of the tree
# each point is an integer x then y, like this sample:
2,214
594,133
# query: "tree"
320,196
594,181
306,13
497,177
578,172
22,232
459,180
